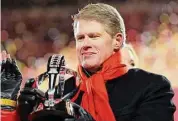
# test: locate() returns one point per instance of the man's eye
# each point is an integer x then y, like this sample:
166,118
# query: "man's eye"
94,36
80,38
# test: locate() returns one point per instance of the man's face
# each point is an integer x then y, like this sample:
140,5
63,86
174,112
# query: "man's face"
94,45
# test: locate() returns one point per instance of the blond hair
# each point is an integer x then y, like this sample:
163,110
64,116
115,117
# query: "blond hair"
128,50
105,14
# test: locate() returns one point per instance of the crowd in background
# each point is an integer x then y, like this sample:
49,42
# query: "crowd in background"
31,35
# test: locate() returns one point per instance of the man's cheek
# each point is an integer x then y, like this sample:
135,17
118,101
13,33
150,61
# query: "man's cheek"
78,51
79,56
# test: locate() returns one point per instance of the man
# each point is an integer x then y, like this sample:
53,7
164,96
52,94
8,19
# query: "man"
109,91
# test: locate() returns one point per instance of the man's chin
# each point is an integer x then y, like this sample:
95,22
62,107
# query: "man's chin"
91,68
88,67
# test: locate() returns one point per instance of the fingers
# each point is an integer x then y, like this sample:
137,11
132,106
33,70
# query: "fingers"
27,97
30,82
69,108
4,56
32,91
8,57
9,66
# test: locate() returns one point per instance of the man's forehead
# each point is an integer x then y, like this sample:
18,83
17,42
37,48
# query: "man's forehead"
88,26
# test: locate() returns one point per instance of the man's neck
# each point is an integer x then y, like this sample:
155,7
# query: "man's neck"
90,72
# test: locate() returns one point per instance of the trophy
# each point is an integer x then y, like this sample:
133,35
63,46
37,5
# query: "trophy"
56,68
50,110
56,71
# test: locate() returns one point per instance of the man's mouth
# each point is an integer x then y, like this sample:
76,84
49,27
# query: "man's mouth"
88,53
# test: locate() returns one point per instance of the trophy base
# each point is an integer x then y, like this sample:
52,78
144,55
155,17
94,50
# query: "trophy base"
50,115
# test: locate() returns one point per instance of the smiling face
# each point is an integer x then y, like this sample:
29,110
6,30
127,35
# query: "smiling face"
94,45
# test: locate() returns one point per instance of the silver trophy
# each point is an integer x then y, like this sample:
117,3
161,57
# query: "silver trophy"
55,70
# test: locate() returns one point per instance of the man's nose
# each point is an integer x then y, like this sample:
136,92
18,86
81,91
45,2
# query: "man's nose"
86,43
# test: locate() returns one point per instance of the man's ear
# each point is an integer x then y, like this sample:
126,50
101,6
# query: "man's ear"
118,41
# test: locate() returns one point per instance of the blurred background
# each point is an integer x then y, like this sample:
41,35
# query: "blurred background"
32,30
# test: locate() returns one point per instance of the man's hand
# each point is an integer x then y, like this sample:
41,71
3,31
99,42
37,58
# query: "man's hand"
11,79
78,112
29,98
